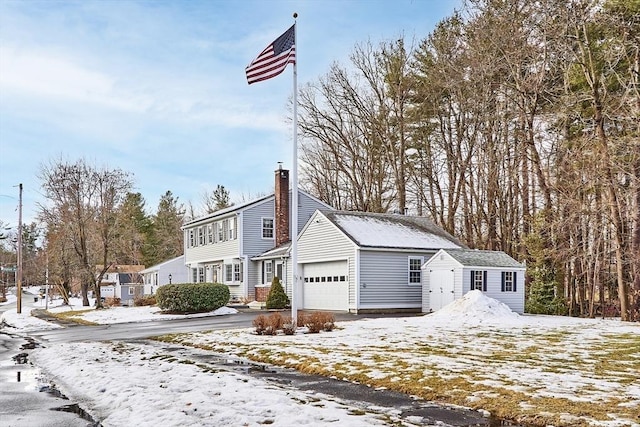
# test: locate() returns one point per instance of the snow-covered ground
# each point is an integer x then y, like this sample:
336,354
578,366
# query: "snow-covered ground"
474,352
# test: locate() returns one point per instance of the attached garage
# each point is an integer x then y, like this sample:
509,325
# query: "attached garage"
326,285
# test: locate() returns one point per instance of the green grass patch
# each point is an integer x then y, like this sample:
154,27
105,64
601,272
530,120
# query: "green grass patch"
71,316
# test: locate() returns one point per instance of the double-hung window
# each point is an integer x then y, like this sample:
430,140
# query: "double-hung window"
232,227
225,230
415,270
210,234
237,272
268,271
478,280
267,228
509,281
192,241
220,235
228,272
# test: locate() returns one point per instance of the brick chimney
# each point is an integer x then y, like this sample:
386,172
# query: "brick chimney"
282,206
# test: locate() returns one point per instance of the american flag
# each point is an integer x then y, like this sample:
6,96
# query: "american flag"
274,59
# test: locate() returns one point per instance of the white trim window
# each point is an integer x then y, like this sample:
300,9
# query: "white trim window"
192,238
478,280
237,272
415,270
210,234
132,291
267,228
268,272
232,227
220,236
509,281
228,272
225,230
200,236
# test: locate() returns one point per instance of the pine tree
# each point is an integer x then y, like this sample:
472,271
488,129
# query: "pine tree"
277,297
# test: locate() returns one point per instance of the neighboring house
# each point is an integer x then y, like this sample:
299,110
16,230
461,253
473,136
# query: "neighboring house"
122,281
219,247
451,273
358,262
170,271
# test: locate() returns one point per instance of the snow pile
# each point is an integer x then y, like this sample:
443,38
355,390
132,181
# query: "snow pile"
475,307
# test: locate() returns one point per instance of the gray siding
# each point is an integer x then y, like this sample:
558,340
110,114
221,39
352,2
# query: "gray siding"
322,241
384,280
253,244
462,281
515,300
306,207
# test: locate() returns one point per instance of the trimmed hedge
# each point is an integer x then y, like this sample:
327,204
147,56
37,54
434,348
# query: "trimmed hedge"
192,297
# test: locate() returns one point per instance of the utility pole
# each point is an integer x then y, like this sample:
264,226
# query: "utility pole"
19,273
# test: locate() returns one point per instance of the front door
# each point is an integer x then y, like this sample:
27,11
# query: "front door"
441,288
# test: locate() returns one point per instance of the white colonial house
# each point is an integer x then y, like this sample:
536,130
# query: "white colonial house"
451,273
221,247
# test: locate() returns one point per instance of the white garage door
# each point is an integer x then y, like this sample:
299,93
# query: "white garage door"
326,286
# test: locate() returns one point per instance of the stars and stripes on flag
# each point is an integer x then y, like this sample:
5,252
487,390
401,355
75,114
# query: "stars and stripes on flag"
274,59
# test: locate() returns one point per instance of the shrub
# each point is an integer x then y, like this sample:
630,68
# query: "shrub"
277,298
144,300
192,297
301,319
260,323
287,326
112,302
319,321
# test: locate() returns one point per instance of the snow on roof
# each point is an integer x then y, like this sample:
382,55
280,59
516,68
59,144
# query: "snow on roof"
478,258
475,307
392,231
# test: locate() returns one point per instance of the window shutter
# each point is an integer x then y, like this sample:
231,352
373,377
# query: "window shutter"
471,281
503,278
515,280
484,281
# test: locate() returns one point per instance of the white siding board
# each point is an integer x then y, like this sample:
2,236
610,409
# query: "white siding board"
322,241
441,261
215,251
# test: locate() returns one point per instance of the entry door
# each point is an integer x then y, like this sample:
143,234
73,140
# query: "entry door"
441,288
279,272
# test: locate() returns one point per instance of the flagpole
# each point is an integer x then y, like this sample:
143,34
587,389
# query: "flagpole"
294,209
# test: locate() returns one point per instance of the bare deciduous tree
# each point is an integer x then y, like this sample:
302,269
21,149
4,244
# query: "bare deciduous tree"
85,199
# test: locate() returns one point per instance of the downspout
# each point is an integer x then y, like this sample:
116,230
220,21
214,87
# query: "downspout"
357,279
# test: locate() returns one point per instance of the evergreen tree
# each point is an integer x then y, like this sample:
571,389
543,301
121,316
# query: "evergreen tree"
277,298
165,240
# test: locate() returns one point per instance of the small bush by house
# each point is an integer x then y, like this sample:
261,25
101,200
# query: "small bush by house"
112,302
277,298
314,322
144,300
319,321
192,297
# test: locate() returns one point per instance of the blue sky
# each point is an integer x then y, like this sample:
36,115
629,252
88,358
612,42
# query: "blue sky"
157,88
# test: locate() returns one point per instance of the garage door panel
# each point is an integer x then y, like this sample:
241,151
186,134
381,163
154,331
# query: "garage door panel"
326,286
